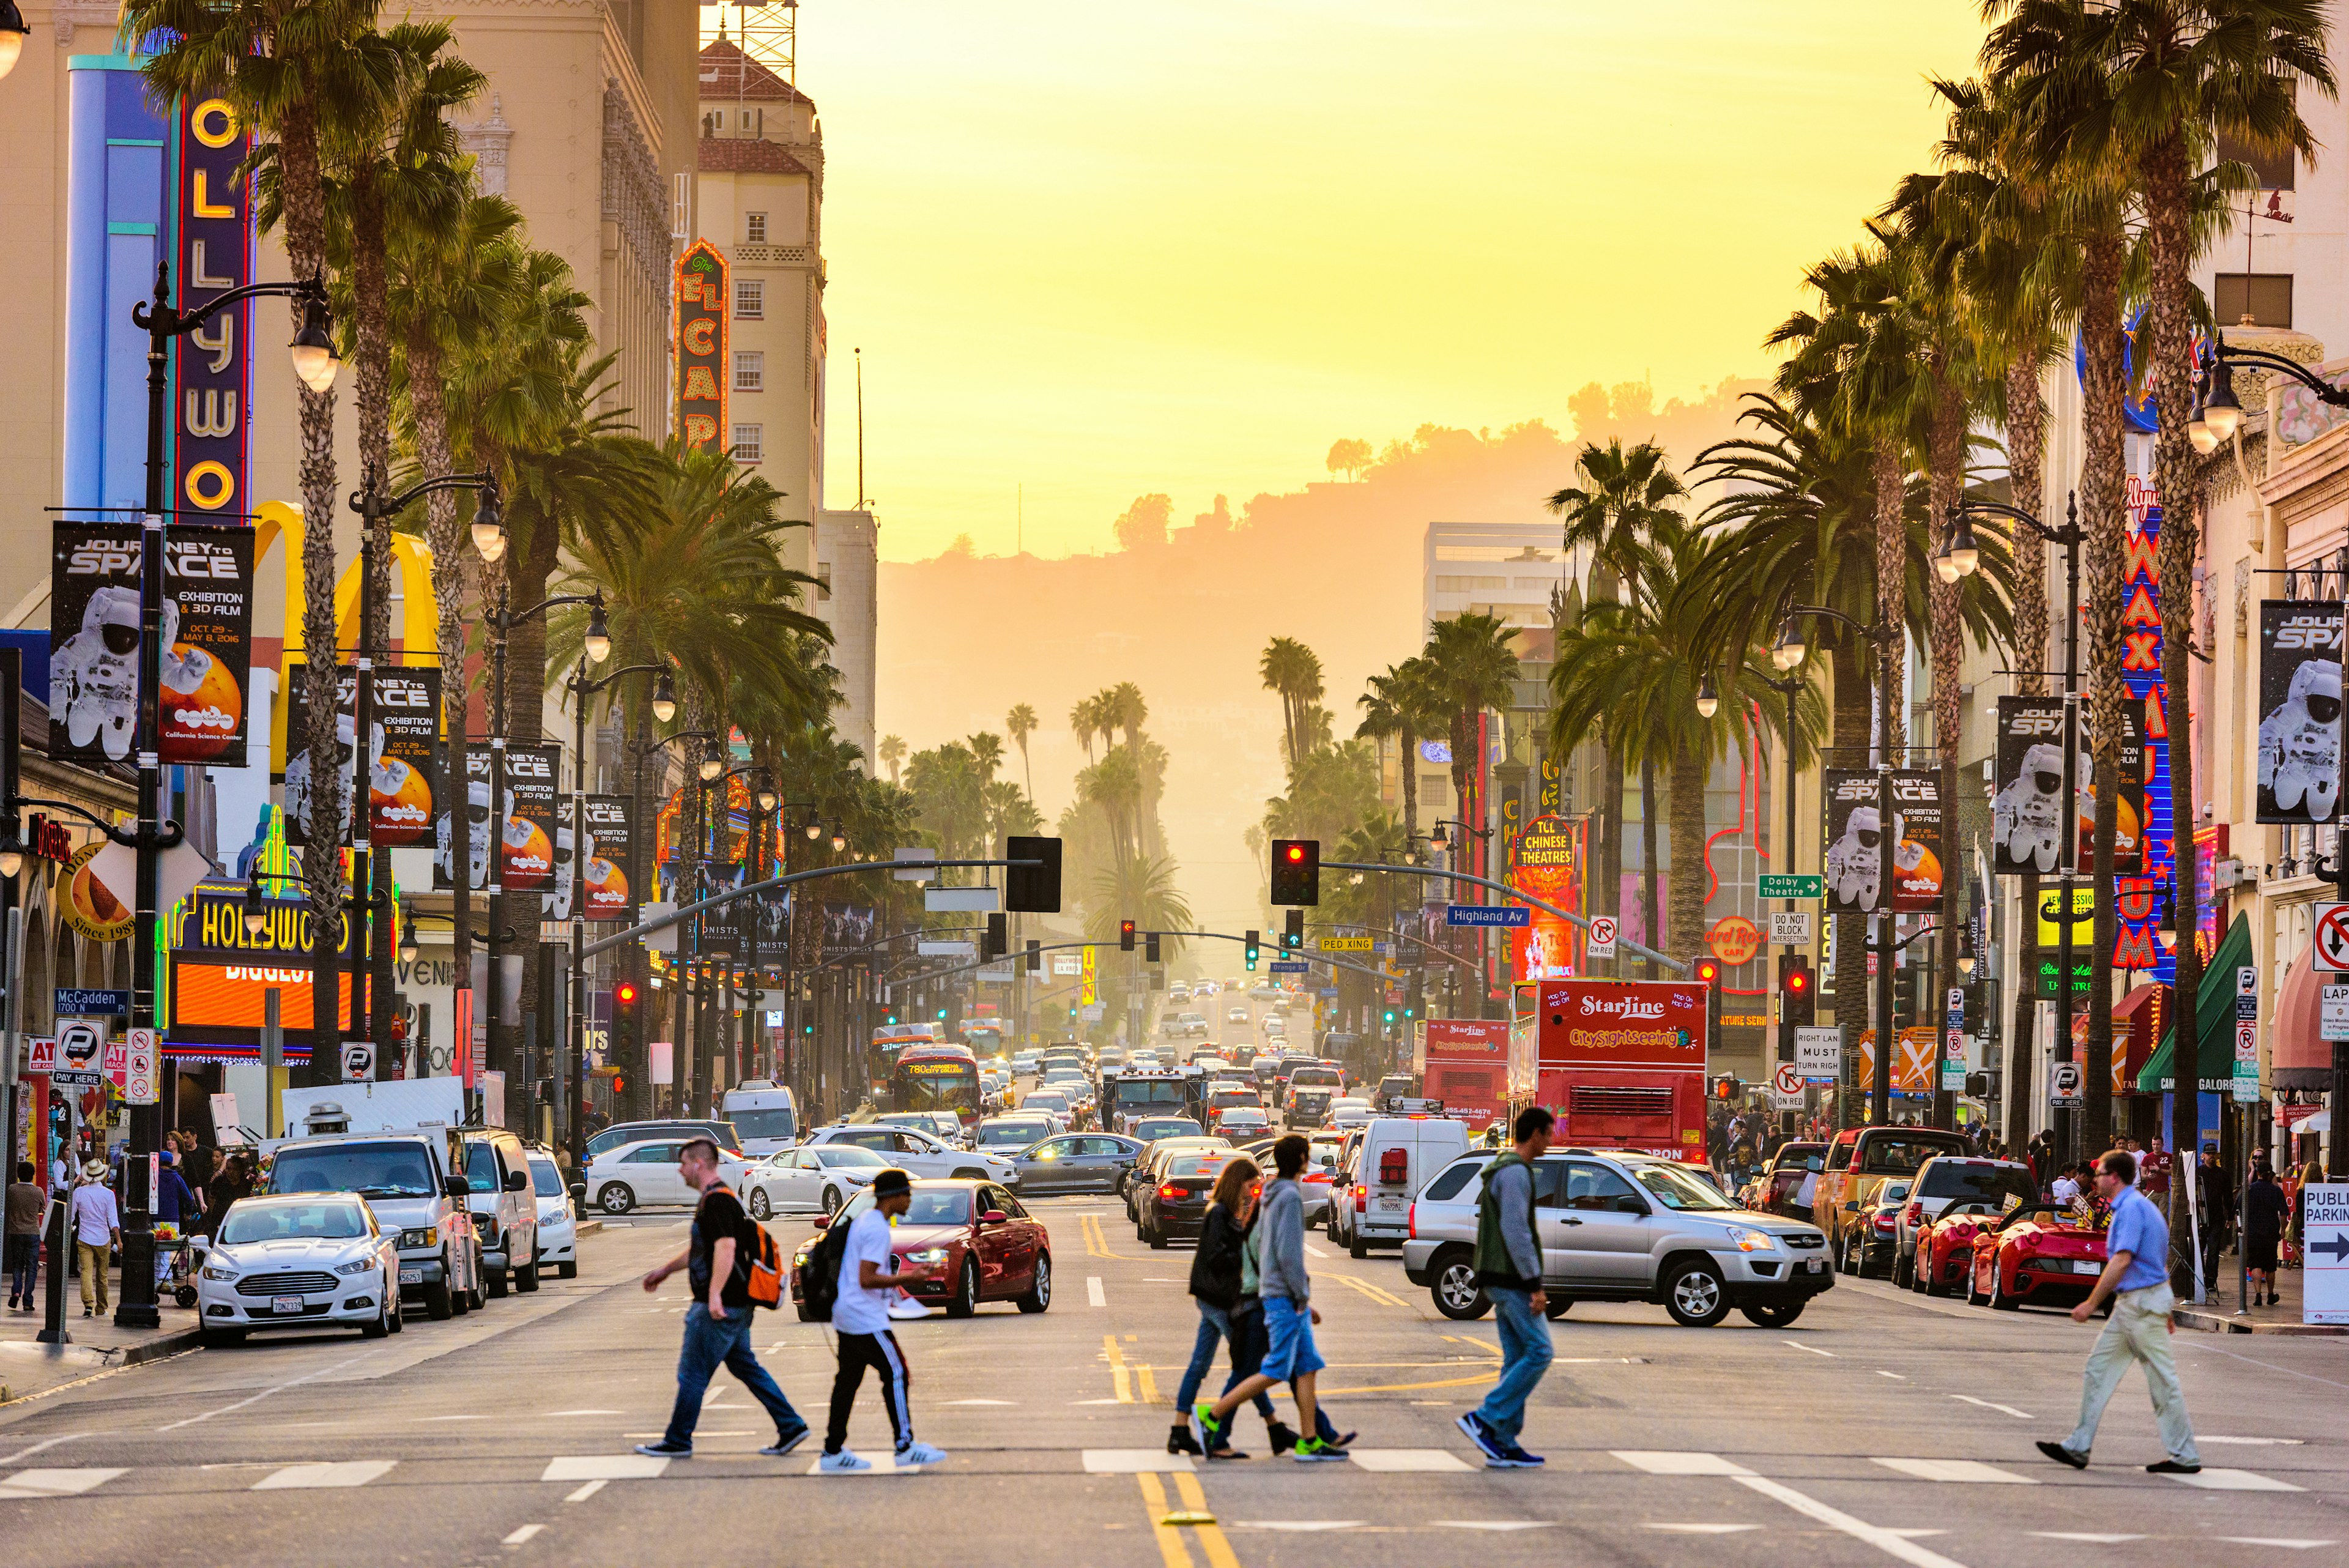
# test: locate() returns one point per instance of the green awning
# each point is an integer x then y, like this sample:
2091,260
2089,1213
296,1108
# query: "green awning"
2216,1008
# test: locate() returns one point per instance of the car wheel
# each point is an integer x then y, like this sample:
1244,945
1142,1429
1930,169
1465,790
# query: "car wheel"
1453,1284
381,1328
832,1200
440,1303
460,1301
1039,1289
498,1284
965,1296
761,1206
1999,1300
1158,1238
1773,1314
222,1338
1356,1247
1696,1295
616,1198
1559,1306
1904,1271
526,1280
1975,1296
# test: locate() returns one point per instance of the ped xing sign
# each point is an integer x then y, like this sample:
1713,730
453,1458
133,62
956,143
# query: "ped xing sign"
1510,915
1343,944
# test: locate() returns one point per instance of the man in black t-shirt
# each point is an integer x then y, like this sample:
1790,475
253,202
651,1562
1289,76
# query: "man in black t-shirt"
718,1325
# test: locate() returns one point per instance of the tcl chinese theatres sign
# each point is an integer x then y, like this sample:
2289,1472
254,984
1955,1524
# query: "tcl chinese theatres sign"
701,303
1622,1023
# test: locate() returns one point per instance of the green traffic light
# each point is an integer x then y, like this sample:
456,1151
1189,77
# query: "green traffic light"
942,1012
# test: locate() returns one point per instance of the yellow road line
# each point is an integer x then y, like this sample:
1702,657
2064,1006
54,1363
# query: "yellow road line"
1211,1536
1383,1297
1148,1390
1169,1540
1096,1242
1487,1346
1120,1379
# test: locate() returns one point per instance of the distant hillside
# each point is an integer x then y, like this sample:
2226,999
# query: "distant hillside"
1185,612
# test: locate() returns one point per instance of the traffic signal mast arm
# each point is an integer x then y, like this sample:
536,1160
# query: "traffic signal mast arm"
686,912
1056,947
1677,966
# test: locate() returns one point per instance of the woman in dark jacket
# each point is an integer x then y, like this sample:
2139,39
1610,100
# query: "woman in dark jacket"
2264,1208
1216,1284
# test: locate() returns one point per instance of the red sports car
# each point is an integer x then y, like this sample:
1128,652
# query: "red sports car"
2039,1255
1945,1248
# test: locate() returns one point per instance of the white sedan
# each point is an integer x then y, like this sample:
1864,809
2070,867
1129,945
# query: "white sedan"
917,1153
558,1225
637,1175
809,1179
308,1260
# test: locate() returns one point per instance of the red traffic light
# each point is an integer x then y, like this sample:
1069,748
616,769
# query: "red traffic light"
1296,853
625,993
1707,971
1799,981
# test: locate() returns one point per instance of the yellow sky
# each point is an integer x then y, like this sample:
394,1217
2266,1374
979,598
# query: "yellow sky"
1106,249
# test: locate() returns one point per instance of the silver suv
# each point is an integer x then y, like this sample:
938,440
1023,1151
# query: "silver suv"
1623,1228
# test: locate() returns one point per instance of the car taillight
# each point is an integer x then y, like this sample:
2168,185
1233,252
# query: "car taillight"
1362,1201
1170,1192
1884,1223
1916,1215
1412,1228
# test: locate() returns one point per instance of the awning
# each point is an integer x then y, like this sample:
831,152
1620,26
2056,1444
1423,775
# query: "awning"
2299,1055
2139,1018
2215,1021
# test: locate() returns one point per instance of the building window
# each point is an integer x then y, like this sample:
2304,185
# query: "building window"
754,228
2273,171
749,371
750,298
750,443
2257,298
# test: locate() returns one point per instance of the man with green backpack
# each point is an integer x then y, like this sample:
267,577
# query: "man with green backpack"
1509,1269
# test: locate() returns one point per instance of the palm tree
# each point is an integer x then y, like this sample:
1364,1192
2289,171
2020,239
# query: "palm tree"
1126,711
1472,667
1292,671
1082,717
1403,704
1021,723
893,753
1140,888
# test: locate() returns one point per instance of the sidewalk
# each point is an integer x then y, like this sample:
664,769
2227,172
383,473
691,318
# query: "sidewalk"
28,1367
2218,1315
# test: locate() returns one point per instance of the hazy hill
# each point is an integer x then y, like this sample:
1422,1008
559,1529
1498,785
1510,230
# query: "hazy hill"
1185,612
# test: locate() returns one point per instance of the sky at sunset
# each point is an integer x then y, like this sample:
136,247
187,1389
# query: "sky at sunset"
1111,249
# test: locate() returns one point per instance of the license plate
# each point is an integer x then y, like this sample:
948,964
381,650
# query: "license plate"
282,1305
411,1276
1815,1266
1390,1202
2086,1266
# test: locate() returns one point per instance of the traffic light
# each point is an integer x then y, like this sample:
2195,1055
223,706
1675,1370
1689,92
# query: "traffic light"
1032,889
1035,956
1798,1001
624,1020
1904,992
1126,935
942,1015
1708,974
1724,1087
1250,949
1292,938
999,935
1150,947
1295,871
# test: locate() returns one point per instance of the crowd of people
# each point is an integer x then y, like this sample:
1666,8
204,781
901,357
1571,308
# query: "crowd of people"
195,1183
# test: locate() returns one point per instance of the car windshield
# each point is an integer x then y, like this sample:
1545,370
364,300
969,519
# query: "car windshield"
545,1178
767,1121
248,1222
1978,1183
372,1169
1676,1189
1012,1134
1151,1128
1900,1156
930,1206
846,1154
1793,1158
1049,1102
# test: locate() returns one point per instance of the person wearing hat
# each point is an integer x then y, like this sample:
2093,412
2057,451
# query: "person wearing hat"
98,1231
860,1322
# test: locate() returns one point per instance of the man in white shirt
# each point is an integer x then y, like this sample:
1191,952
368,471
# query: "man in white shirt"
860,1322
2065,1189
98,1231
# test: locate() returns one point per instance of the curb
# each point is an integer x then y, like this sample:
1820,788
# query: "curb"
588,1228
114,1358
2209,1322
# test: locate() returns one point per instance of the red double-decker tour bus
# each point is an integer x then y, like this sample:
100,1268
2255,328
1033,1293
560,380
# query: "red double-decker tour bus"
1620,1064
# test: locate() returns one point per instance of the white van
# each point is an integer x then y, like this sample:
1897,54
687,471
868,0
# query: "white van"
765,1116
1399,1155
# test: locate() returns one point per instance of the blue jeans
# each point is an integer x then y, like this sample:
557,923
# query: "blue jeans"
1525,1357
711,1342
1215,1325
24,1255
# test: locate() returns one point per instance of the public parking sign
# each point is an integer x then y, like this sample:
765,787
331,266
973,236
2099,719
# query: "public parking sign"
2325,1284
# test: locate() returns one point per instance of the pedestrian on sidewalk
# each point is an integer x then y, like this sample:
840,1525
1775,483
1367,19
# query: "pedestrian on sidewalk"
1509,1269
1216,1284
98,1231
25,1205
1290,1316
860,1322
716,1264
2137,1275
2263,1215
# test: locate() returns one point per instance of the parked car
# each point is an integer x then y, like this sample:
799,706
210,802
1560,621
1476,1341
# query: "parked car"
810,1180
987,1247
1397,1155
1946,1180
1172,1207
2040,1255
1869,1248
1862,1160
1789,1178
1010,1134
1077,1162
645,1175
1623,1228
727,1139
558,1224
1152,1158
298,1260
918,1153
506,1209
414,1182
1944,1263
944,1125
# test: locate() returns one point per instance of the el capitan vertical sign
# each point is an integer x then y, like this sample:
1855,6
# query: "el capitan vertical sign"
701,305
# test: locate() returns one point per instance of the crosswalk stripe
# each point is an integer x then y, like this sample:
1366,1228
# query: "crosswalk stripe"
603,1467
522,1535
53,1483
1093,1297
1667,1462
1956,1470
2289,1542
308,1477
2212,1478
1397,1460
1701,1529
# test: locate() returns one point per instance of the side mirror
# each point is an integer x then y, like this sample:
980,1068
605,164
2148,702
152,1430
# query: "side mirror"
823,1222
1852,1207
994,1217
455,1188
517,1181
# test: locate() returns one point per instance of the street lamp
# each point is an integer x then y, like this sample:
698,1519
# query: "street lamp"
408,946
489,531
1959,556
1708,701
814,829
1790,649
665,697
13,33
713,761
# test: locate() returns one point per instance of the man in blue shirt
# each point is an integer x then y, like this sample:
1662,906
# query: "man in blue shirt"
2137,1254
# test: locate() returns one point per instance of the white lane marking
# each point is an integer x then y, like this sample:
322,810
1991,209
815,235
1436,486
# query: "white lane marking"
1492,1523
1701,1529
2286,1541
2018,1415
1891,1542
590,1489
552,1415
1396,1460
52,1442
1003,1402
1670,1462
1956,1470
2211,1478
307,1477
1117,1401
1093,1297
452,1417
53,1483
2088,1535
1134,1461
2246,1442
265,1393
1313,1251
602,1467
522,1535
1814,1350
1299,1524
1894,1376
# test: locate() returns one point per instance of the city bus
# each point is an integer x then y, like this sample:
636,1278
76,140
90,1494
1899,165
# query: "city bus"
931,1076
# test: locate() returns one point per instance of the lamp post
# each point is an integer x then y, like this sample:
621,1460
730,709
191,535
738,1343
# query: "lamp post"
1959,557
688,961
764,797
1789,651
313,351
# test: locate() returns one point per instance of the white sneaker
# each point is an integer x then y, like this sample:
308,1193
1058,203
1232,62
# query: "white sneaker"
846,1462
920,1454
905,1308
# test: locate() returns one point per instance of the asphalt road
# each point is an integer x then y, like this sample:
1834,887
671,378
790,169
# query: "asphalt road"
1879,1428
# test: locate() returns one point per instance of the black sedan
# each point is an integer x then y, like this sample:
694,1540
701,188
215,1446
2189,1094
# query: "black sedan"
1173,1207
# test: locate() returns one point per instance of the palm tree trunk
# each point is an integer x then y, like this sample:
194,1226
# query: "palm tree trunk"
2107,521
2175,474
525,718
372,394
1891,587
1650,902
1613,817
2026,430
1685,786
430,413
1946,477
1850,722
1410,790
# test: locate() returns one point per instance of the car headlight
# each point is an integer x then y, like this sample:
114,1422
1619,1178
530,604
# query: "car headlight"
928,1255
427,1237
220,1271
1752,1241
357,1266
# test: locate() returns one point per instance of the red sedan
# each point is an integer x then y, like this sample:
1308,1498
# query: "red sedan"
1945,1248
989,1248
2039,1255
